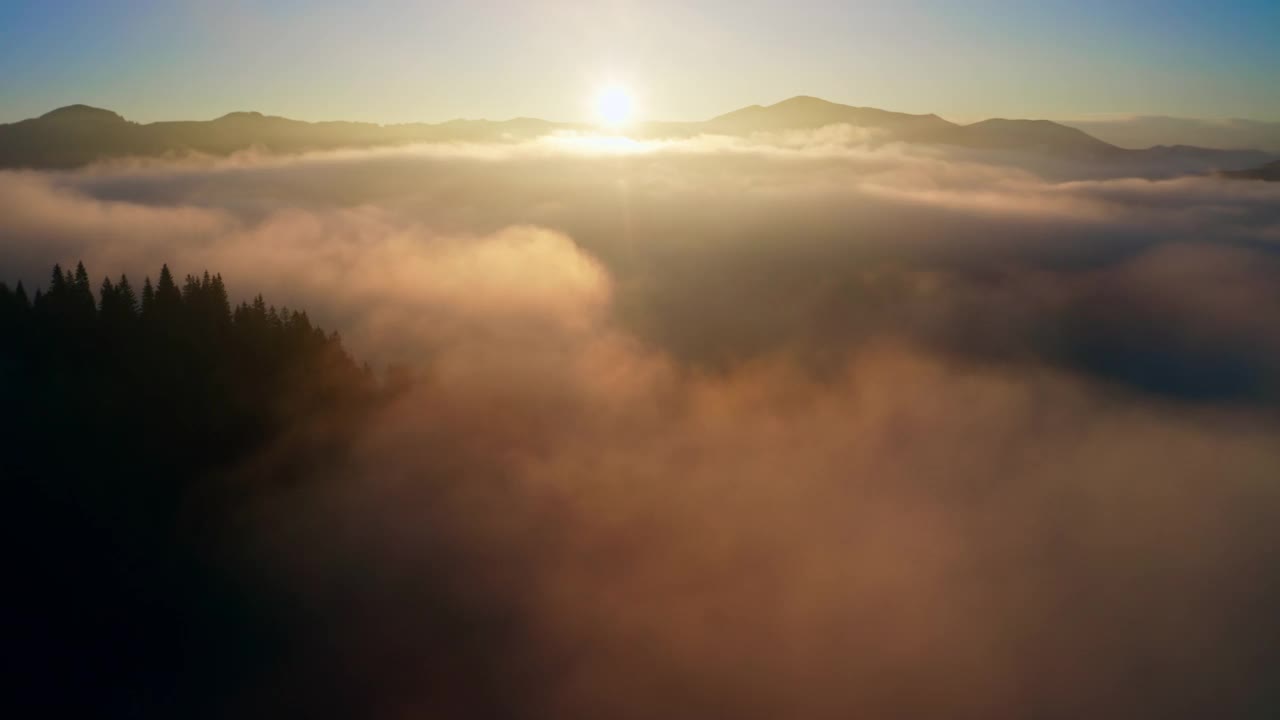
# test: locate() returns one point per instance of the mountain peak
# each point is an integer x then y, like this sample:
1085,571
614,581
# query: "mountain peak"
82,113
806,112
799,100
243,115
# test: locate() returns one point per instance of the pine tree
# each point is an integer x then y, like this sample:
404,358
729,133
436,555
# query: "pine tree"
191,290
83,290
148,298
218,299
118,307
168,297
58,285
124,293
56,303
82,309
107,298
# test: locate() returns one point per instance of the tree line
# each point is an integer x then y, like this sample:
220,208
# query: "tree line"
169,379
120,406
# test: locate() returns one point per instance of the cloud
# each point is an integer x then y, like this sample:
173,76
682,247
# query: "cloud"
718,247
764,542
779,427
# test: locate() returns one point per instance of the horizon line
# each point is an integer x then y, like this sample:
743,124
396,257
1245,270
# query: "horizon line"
963,119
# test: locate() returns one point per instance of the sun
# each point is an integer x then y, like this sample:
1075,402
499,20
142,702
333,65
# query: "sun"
614,106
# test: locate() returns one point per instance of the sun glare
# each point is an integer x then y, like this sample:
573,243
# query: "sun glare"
614,106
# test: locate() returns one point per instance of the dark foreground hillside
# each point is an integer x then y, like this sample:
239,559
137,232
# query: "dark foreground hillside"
123,410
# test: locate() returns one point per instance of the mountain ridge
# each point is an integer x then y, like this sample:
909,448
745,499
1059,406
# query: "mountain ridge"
82,113
79,134
1140,131
1269,173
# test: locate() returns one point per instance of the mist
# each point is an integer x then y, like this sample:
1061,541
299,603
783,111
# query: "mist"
789,426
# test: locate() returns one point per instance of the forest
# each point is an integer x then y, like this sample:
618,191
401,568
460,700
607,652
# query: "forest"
124,411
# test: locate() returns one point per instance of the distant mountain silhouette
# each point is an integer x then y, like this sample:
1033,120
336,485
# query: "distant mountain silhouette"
82,114
78,135
804,112
1147,130
1036,137
1041,135
1269,172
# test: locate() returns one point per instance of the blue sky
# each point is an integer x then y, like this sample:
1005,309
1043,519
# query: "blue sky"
433,60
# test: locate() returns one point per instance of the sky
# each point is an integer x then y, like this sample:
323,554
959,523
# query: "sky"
434,60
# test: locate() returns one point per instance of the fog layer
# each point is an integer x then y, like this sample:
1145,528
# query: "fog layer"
785,427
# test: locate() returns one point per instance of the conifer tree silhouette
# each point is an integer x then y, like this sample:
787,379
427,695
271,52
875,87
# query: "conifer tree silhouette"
143,407
106,293
20,297
58,287
124,293
148,297
82,292
118,306
168,299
